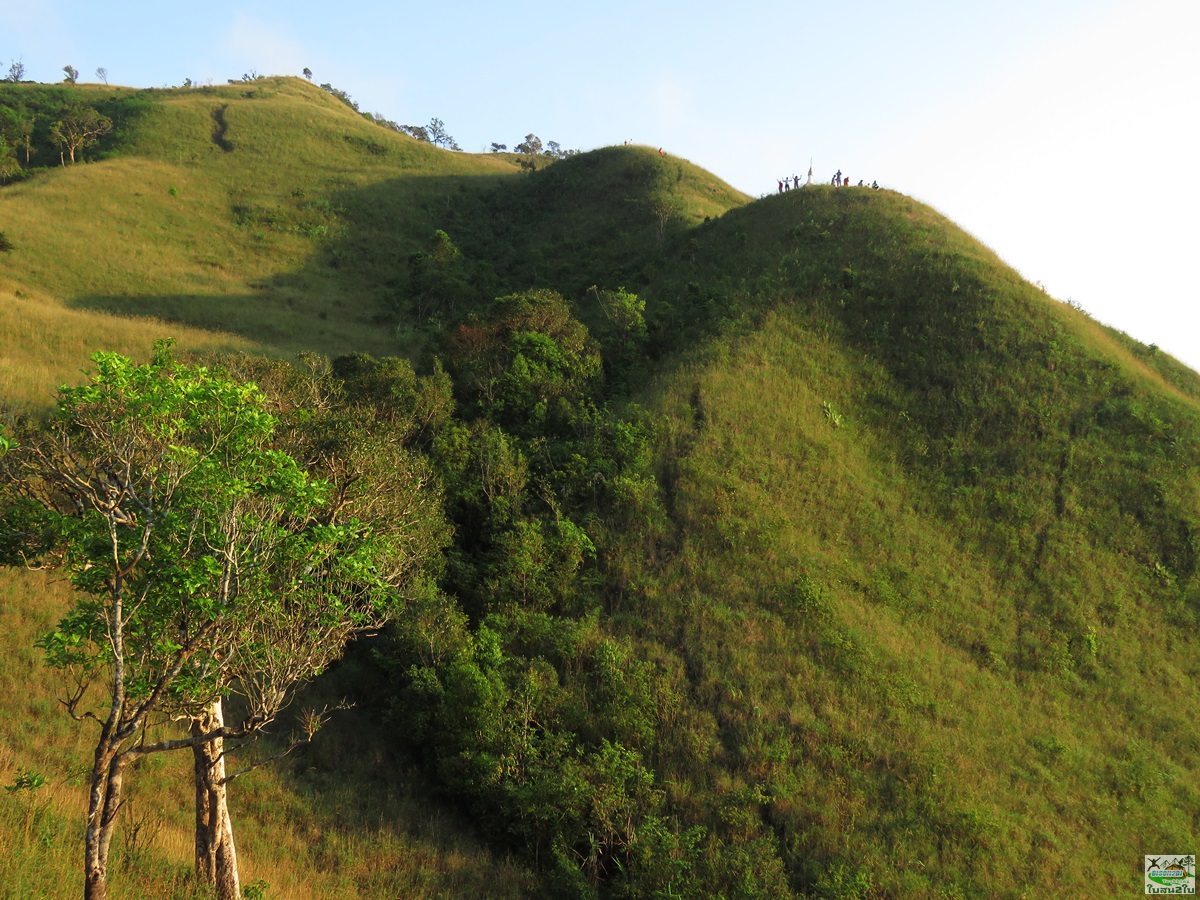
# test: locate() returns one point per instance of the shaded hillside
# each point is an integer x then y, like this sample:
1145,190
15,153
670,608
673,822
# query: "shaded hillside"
858,567
601,217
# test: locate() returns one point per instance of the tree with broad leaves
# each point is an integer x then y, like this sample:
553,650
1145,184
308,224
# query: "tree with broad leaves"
80,127
9,166
207,562
531,146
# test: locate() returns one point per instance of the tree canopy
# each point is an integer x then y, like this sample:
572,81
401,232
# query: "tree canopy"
208,562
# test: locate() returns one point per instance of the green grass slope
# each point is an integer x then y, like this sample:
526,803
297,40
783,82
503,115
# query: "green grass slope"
273,213
220,208
926,595
936,572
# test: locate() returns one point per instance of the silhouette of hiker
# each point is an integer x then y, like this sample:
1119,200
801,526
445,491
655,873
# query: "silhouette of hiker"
781,187
837,179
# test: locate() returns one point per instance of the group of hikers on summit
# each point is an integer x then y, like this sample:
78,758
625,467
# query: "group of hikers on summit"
838,180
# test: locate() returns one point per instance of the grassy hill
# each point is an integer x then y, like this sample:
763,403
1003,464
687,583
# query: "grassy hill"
907,609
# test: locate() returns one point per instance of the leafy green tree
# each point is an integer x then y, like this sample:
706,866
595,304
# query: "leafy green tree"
528,353
437,278
71,73
9,164
16,131
625,313
531,146
307,73
208,564
79,127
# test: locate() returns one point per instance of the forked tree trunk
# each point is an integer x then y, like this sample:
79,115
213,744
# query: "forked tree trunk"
104,802
216,855
95,859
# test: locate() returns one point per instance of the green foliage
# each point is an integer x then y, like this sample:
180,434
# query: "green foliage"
159,453
26,781
438,281
208,563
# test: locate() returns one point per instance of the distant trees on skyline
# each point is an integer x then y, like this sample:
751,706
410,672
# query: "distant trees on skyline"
78,133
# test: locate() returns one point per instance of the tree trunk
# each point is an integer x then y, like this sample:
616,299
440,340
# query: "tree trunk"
95,865
216,855
104,802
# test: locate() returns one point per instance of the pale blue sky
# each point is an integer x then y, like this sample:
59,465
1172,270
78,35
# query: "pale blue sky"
1062,133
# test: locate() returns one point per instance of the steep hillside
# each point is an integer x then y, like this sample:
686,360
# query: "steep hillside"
849,565
243,208
936,531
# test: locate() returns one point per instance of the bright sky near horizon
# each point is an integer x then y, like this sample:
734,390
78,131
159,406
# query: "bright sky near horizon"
1061,133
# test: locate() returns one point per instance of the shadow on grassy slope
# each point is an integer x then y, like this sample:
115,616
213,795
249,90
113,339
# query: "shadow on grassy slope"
605,218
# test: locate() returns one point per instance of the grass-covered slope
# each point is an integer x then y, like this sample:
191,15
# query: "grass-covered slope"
918,593
936,572
234,208
273,213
